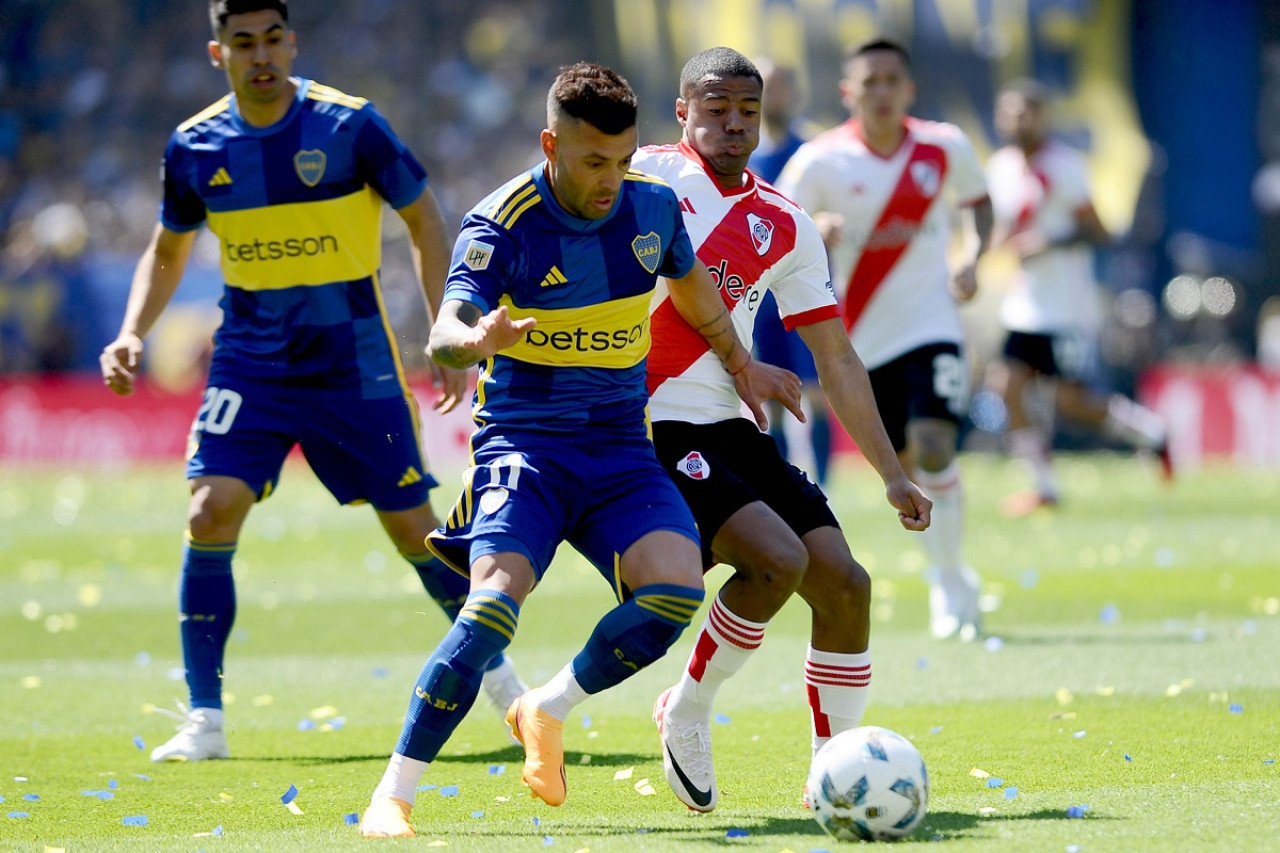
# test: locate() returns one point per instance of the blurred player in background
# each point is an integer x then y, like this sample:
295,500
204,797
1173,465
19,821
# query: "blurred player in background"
755,511
1052,313
291,176
549,291
892,183
780,137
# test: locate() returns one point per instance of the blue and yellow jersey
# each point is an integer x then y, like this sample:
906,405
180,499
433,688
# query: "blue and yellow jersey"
588,283
297,209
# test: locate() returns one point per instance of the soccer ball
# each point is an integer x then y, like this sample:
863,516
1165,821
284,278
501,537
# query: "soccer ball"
868,784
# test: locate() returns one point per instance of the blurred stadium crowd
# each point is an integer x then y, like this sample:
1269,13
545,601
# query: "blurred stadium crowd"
91,89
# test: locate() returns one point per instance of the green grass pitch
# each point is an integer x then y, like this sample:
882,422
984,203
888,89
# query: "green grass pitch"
1131,666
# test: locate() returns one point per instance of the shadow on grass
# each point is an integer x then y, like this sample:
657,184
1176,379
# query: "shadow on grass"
506,755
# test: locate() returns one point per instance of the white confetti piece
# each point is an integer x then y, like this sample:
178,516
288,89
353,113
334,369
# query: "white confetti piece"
623,774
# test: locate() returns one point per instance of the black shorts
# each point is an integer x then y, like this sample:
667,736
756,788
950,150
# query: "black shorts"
722,467
1068,354
930,382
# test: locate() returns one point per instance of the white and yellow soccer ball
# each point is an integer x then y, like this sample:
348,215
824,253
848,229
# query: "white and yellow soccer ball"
868,784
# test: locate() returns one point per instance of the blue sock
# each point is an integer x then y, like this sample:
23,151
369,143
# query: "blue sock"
635,634
450,679
447,587
820,436
207,607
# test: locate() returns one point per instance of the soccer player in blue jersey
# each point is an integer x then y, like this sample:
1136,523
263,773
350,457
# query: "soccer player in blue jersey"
549,292
291,176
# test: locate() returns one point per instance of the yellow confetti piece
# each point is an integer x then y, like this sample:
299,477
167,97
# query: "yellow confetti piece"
293,807
227,698
225,797
623,774
1063,695
31,682
644,789
324,712
1218,696
585,759
1105,691
148,708
979,773
583,850
1173,690
31,611
986,811
262,701
439,842
48,849
501,799
1187,682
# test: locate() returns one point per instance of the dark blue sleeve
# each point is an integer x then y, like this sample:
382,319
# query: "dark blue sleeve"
181,208
385,163
486,262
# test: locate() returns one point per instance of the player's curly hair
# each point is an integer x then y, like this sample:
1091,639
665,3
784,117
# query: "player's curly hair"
220,10
718,62
594,94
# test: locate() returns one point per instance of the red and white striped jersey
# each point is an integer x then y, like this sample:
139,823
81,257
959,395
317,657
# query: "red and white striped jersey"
1045,192
890,265
751,238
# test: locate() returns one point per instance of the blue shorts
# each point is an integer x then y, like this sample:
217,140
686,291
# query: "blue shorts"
529,494
777,346
364,451
929,382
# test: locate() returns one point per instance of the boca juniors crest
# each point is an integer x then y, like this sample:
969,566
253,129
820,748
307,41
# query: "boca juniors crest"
648,249
310,166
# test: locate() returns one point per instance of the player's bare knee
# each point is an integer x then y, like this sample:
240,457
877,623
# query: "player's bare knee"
839,590
779,567
215,515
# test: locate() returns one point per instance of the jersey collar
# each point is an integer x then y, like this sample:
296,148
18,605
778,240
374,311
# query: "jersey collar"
303,86
564,217
748,185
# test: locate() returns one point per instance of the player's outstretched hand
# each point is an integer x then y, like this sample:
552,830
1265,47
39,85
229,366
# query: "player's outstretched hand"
914,508
756,382
452,384
496,331
119,361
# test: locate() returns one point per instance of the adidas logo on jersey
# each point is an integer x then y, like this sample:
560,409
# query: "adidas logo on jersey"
554,277
410,477
220,178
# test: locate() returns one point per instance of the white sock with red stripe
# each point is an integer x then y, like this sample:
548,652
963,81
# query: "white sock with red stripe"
724,644
837,684
946,529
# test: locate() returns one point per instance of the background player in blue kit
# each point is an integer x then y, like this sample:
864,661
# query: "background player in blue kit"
291,176
549,291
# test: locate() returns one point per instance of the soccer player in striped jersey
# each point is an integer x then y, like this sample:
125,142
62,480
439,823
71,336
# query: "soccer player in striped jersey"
891,184
549,291
756,512
291,176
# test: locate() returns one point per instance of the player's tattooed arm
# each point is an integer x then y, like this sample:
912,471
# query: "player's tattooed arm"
463,336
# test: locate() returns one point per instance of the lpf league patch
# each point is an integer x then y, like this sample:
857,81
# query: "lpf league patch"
761,233
310,166
493,499
694,466
477,255
648,249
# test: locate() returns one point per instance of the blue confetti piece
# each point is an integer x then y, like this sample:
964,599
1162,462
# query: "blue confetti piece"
106,795
1,799
31,798
537,821
337,723
477,814
995,782
547,841
290,795
935,730
90,793
586,721
19,814
134,820
1109,615
1075,811
1236,709
351,819
1073,848
922,663
139,742
722,719
736,833
1264,761
217,831
1128,757
113,784
306,725
449,791
1079,734
1029,579
143,777
1011,792
381,672
427,787
497,769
